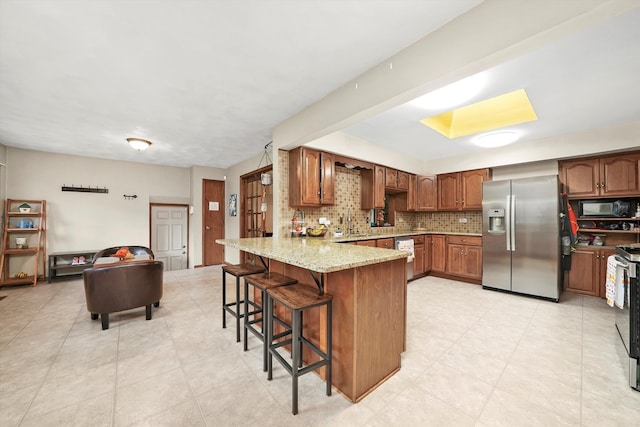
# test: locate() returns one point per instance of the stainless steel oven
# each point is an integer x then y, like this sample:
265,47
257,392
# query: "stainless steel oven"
628,318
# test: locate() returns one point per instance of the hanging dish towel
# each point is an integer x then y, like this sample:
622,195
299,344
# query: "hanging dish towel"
615,282
610,283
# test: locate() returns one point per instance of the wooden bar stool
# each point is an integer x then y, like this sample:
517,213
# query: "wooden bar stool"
261,281
233,308
298,298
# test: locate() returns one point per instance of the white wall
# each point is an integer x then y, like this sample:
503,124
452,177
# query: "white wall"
85,221
3,186
527,170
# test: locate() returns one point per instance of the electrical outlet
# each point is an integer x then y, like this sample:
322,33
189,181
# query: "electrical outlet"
463,220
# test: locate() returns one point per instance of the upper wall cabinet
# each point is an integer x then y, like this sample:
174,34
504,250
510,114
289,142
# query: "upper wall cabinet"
311,177
395,180
461,190
609,176
426,194
372,183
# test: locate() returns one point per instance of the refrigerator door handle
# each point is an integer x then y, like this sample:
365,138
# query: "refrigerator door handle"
512,220
507,226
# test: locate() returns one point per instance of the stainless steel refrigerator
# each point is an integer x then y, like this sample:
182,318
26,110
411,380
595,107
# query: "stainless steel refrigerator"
521,236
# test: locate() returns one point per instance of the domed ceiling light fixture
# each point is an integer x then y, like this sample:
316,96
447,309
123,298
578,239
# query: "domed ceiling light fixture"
139,143
496,139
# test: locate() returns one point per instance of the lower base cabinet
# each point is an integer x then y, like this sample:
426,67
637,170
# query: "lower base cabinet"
464,256
588,271
419,255
438,253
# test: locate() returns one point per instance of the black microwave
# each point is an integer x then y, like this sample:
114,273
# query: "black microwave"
605,208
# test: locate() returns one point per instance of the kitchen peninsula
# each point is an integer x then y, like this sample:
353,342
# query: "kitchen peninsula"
369,287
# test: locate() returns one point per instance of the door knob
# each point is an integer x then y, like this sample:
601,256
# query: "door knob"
208,228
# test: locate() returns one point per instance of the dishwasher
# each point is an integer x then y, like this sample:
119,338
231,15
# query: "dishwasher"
405,244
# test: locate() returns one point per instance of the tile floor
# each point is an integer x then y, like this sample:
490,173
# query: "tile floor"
474,358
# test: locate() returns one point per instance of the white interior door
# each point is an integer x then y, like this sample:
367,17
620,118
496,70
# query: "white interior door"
169,235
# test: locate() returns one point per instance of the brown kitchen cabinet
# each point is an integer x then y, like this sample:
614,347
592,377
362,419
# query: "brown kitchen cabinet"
421,255
588,271
372,188
426,193
405,201
461,190
396,180
464,256
371,243
311,177
438,253
608,176
602,274
385,243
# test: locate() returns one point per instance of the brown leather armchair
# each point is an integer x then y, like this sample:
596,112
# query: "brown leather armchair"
121,286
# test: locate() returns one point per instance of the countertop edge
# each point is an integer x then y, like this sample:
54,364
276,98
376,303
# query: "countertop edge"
319,260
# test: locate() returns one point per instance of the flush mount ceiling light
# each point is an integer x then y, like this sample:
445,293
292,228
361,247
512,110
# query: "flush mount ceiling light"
496,139
139,143
453,94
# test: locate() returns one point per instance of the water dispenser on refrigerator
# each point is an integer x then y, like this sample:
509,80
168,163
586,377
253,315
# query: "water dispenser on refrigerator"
496,220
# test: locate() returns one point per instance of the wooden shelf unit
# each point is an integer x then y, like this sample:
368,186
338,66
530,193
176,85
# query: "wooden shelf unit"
36,241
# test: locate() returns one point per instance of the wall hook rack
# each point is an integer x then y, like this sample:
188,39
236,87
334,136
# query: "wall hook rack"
82,189
130,197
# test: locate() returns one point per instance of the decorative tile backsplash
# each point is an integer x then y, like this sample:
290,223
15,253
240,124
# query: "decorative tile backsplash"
347,199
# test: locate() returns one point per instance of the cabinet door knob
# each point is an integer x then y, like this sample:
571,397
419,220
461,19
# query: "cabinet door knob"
602,184
597,185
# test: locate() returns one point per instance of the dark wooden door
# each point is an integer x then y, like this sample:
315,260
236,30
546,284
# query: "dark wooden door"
213,208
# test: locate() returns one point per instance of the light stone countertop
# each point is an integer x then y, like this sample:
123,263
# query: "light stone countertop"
316,254
371,236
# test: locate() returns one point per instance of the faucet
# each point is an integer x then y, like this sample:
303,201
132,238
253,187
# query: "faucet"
349,228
